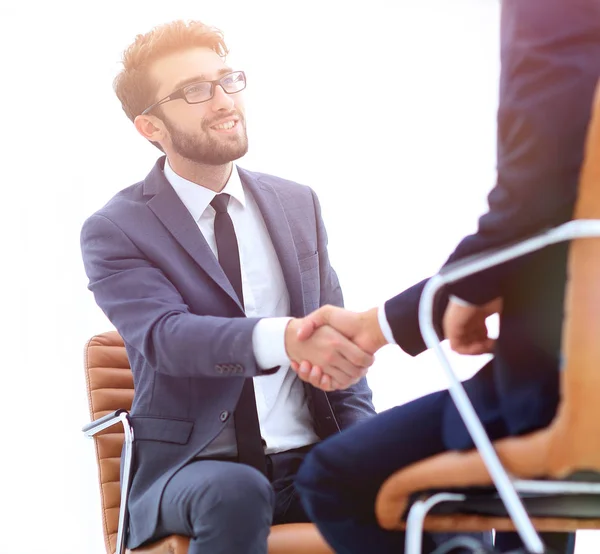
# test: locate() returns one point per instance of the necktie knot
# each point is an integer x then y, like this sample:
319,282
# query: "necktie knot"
220,202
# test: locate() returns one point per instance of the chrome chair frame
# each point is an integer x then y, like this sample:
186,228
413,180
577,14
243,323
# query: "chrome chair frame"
508,487
94,428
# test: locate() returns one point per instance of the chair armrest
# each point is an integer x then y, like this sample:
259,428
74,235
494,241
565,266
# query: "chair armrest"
104,422
94,428
576,229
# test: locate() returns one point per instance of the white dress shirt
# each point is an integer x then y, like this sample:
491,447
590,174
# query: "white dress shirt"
283,414
384,325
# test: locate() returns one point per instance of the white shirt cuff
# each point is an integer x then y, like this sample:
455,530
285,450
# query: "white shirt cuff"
385,326
268,342
460,301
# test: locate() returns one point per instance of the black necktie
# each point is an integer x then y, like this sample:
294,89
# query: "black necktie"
247,429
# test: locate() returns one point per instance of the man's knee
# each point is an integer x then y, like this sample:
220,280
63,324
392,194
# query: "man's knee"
240,495
310,475
320,479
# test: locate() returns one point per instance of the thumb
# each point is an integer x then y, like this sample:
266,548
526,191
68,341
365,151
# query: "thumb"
311,323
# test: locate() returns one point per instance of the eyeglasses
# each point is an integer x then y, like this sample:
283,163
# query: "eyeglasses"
203,91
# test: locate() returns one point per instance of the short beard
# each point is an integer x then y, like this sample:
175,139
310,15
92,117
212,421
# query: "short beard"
204,149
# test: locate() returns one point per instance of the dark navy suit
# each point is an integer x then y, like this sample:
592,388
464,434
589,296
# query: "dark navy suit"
550,64
187,338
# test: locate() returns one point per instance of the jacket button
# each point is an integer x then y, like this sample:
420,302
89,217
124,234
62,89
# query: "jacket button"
224,415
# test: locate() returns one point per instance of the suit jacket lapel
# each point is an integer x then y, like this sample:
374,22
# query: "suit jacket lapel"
279,230
169,209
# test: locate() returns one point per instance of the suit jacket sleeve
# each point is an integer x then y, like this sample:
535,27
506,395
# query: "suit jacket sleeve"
550,64
151,315
550,68
355,402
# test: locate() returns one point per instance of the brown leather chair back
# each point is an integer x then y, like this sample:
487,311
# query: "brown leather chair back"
577,425
110,387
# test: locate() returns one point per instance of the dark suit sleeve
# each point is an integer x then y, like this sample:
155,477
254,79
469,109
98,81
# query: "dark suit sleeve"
402,313
356,402
550,67
151,315
550,64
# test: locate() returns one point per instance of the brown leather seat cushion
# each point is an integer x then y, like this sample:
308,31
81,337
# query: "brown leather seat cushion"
171,545
291,538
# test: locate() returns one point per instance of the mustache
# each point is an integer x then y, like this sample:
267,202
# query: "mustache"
221,117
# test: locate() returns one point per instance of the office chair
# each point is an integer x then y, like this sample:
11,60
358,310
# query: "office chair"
547,480
110,393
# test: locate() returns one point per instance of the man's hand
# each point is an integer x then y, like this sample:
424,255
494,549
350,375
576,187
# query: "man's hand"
341,360
464,327
361,328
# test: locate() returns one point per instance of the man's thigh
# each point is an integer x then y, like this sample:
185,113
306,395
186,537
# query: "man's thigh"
362,457
341,477
206,495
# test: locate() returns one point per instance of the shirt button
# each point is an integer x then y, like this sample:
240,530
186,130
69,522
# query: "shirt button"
224,415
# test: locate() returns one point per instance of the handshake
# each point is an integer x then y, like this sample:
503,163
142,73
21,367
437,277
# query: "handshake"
332,348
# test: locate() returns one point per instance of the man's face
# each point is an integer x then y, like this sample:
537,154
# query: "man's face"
202,133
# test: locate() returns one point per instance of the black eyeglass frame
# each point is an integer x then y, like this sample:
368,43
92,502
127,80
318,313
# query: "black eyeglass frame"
179,93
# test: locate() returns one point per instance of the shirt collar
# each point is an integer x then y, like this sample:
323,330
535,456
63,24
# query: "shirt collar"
196,198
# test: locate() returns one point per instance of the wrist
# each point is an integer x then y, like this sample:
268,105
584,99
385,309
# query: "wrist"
371,324
291,336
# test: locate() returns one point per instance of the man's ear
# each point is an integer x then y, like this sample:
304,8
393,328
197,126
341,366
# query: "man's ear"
150,127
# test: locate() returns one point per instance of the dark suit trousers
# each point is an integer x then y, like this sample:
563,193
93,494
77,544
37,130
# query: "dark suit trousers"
226,507
340,478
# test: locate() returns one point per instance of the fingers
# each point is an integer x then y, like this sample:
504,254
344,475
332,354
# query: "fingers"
473,347
466,329
315,376
354,355
346,356
340,378
324,382
304,370
329,383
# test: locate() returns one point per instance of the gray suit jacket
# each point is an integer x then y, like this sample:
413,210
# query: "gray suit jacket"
187,338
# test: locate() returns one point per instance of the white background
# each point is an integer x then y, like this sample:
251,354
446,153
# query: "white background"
385,108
